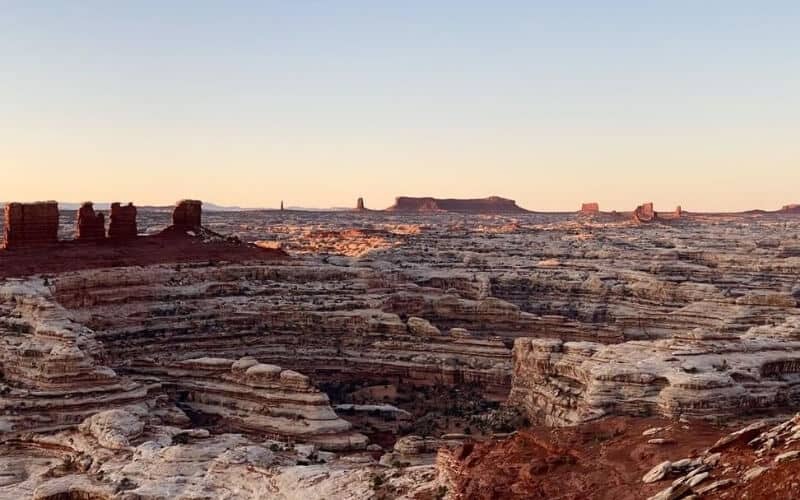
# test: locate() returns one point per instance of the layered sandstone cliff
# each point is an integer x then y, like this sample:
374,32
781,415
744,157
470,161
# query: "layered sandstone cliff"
30,224
699,375
252,397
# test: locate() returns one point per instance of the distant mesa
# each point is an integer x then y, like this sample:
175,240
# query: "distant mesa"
360,205
592,208
794,208
490,205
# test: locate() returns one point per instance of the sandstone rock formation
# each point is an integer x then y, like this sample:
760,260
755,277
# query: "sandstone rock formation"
123,222
360,204
767,458
52,377
793,208
645,213
699,375
30,224
145,356
256,398
91,226
490,205
187,215
590,208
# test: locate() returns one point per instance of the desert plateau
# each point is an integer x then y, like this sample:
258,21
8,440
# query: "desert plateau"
436,349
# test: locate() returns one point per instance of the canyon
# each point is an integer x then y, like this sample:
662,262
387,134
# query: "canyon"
437,349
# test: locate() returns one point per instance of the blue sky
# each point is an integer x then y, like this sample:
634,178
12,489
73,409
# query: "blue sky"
316,103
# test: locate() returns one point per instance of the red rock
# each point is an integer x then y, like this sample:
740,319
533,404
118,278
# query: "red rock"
30,224
793,208
360,204
187,214
123,222
590,208
645,213
490,205
91,226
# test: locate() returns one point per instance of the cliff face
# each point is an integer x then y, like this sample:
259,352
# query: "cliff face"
30,224
490,205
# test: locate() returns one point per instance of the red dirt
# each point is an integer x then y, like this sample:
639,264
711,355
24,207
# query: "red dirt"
167,247
601,460
607,460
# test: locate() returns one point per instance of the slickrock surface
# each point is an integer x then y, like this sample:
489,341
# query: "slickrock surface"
30,224
491,205
445,326
135,454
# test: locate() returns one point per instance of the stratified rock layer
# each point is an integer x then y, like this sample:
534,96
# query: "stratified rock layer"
52,374
697,376
123,222
254,397
30,224
91,226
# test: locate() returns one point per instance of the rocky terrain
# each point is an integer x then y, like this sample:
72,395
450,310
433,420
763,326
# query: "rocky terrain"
421,352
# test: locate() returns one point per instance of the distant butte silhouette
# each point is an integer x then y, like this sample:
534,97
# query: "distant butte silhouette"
490,205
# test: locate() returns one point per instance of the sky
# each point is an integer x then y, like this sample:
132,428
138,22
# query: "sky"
316,103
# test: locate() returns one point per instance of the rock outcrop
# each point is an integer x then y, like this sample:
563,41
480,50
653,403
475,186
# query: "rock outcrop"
490,205
255,398
52,374
793,208
30,224
590,208
188,215
360,205
645,213
767,458
697,376
91,226
123,222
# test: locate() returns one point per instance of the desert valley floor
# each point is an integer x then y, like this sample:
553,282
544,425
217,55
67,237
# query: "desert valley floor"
350,355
